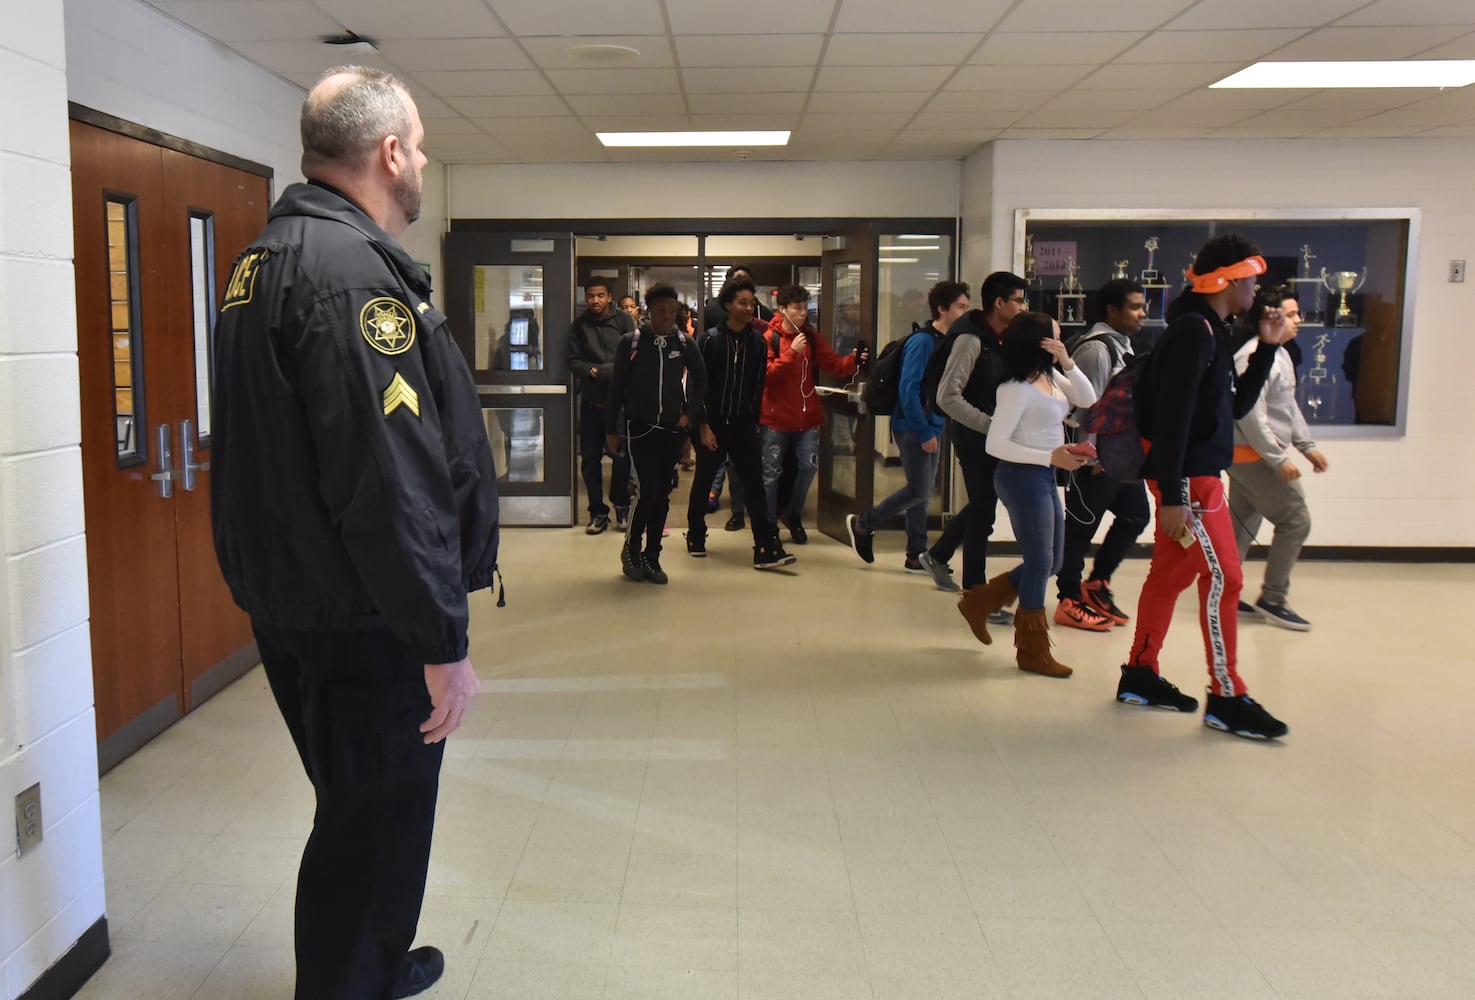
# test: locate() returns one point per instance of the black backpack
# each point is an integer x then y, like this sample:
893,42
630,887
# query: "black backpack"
883,380
932,375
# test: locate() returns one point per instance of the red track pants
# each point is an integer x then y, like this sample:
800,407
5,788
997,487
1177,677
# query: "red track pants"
1214,560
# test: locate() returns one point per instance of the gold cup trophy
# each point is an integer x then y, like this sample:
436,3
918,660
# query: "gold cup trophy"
1346,283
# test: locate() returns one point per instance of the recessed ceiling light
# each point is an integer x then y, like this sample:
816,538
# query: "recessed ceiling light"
603,53
1319,75
705,138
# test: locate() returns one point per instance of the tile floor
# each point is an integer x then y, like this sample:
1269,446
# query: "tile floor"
819,786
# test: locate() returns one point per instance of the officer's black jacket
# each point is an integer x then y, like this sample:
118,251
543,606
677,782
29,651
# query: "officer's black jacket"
353,484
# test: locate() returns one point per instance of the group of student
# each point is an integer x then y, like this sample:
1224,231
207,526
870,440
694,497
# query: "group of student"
1216,393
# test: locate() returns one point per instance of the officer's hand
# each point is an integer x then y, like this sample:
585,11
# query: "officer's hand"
451,687
709,440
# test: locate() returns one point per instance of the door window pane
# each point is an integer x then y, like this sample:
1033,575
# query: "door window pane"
908,266
202,286
509,317
519,443
845,319
127,388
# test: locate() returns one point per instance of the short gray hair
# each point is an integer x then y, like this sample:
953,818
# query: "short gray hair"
341,126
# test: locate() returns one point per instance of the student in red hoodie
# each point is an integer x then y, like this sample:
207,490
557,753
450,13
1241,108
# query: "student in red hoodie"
792,411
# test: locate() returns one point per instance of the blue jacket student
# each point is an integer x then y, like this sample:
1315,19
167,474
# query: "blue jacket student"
910,415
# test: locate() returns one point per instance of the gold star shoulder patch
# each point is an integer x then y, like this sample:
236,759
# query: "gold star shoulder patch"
388,325
398,393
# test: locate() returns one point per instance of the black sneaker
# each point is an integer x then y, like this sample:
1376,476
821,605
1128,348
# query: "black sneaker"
796,530
1281,615
598,523
736,522
1242,716
651,565
1247,610
622,518
771,557
420,970
696,545
863,544
630,563
912,564
1146,687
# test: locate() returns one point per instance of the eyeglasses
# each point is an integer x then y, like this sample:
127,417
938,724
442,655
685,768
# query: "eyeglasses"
1020,301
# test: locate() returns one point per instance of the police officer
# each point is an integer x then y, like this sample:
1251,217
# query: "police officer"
354,507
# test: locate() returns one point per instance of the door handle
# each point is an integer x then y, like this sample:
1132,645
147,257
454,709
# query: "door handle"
188,466
166,475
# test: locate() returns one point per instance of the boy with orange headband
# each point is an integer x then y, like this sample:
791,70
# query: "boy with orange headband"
1187,400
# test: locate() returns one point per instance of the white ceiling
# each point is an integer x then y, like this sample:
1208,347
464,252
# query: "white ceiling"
858,79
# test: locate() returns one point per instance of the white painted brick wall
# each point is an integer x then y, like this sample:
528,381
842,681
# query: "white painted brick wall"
47,729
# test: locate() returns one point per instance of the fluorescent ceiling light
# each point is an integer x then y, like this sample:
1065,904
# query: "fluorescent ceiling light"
916,236
1318,75
704,138
898,260
912,247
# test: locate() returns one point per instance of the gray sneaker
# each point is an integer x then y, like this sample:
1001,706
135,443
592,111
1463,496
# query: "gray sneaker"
1001,617
942,577
598,524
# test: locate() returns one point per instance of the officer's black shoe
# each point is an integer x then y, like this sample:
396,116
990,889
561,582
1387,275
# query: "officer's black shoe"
653,571
630,562
420,970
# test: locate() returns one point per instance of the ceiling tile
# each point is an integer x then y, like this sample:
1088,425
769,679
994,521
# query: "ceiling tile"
623,104
998,100
902,100
1045,48
552,125
1110,100
454,53
884,16
900,49
1361,131
752,104
508,107
1309,118
965,121
302,57
639,123
1050,133
864,78
1093,15
1174,116
615,81
607,17
424,19
1459,48
738,83
1169,76
867,121
1220,46
1209,15
1132,130
947,136
740,121
557,148
482,83
1421,117
465,147
553,53
1365,43
1092,118
1464,97
760,17
1451,132
1056,77
436,128
1396,12
431,106
1354,97
717,51
1244,100
264,20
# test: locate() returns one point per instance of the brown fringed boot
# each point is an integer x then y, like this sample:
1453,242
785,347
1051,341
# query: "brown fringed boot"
1032,644
977,603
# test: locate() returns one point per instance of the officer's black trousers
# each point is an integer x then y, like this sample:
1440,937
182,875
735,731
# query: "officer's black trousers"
654,452
354,702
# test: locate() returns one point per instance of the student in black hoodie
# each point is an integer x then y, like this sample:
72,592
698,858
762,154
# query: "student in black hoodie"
660,383
736,359
591,355
1187,399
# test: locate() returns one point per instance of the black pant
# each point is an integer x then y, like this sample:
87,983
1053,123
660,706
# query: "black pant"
983,506
952,536
354,702
739,445
591,457
1088,496
654,452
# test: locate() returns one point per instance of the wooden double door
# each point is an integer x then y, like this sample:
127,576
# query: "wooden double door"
156,231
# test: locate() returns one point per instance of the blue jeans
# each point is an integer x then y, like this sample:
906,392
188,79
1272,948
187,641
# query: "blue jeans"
805,445
921,472
1033,503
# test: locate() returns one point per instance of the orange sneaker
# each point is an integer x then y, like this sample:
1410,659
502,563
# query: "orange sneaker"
1096,595
1074,614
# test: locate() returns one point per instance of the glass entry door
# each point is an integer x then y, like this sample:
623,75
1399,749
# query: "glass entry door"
510,299
846,316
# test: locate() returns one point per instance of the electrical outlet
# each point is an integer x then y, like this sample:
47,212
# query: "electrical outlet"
1456,270
27,819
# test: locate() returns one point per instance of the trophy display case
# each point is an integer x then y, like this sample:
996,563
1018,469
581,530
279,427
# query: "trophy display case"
1350,269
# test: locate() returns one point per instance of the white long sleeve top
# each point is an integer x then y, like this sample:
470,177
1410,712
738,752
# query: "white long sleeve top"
1274,424
1028,424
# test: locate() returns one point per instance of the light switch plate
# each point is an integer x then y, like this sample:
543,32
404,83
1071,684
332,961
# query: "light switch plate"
1456,270
27,819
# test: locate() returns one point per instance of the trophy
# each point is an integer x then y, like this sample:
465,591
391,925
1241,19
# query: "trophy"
1070,284
1317,392
1306,258
1347,283
1149,274
1029,261
1070,297
1121,269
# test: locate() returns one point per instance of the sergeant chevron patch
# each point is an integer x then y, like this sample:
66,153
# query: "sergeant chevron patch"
398,393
